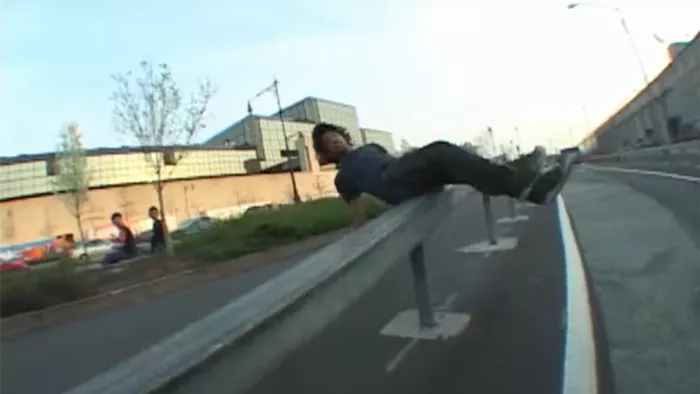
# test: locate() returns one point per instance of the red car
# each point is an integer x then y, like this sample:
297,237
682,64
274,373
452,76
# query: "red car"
13,265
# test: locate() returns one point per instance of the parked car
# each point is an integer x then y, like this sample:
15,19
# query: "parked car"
260,208
96,249
194,226
7,255
16,264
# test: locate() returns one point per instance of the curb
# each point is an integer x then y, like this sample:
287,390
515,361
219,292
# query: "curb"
17,325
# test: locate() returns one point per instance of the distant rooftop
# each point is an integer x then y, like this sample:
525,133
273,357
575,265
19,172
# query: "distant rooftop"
119,150
233,125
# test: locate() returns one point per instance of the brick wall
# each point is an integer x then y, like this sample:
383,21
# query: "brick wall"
41,217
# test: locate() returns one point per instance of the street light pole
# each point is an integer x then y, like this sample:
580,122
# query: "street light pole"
623,22
274,87
295,190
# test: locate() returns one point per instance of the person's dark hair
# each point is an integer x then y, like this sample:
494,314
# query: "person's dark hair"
152,208
321,129
116,215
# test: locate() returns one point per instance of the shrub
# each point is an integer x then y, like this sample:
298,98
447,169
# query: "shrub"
28,290
263,229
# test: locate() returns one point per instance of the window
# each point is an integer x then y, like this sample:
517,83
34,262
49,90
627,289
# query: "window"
52,166
227,142
169,158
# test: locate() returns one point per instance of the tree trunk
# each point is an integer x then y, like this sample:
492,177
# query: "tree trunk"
78,218
169,250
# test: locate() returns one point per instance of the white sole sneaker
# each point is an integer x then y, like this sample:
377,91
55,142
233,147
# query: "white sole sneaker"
539,156
566,164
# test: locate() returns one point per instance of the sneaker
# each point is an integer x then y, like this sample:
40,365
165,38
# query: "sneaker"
533,161
531,165
550,184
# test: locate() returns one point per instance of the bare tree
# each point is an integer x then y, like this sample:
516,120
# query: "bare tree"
71,180
7,224
150,109
126,206
49,228
473,148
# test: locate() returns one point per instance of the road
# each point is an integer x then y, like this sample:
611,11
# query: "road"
639,236
513,343
51,361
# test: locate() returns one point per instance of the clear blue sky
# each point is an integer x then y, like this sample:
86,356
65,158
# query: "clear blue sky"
422,69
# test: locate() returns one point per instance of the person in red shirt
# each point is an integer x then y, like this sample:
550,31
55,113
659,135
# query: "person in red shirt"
125,243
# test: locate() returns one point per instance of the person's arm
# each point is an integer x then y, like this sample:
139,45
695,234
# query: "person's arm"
351,196
357,212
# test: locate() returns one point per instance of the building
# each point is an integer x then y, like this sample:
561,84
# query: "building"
675,48
27,176
218,177
267,135
666,111
253,144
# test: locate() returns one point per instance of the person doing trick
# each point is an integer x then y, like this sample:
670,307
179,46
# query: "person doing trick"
372,170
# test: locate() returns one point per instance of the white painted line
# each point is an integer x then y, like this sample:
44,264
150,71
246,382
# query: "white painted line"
449,302
579,354
524,205
401,355
503,244
516,219
406,325
647,172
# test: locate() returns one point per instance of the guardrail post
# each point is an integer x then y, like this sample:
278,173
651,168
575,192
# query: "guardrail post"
426,316
490,224
511,208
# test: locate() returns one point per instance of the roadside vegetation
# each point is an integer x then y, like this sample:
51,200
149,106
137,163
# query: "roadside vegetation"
264,229
67,280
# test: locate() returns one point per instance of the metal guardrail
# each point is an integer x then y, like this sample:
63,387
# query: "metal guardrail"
681,149
259,328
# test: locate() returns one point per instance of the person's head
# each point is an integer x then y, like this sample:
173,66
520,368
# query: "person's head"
117,219
331,142
153,213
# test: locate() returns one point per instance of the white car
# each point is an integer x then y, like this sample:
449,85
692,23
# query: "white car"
96,249
6,255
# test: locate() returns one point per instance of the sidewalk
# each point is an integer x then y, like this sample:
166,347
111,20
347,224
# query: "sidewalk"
645,270
512,342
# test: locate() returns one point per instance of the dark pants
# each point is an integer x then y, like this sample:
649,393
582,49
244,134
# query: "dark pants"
441,163
116,256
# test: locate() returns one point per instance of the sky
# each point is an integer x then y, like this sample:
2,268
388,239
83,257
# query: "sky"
422,69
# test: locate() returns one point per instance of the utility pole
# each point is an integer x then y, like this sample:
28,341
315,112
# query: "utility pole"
275,89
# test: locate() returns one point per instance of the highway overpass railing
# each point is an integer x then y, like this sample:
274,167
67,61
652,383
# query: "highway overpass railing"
262,326
686,150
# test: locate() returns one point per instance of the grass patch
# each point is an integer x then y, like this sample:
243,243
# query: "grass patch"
261,230
28,290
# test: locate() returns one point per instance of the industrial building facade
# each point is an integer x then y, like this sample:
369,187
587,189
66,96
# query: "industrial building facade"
266,133
666,111
253,144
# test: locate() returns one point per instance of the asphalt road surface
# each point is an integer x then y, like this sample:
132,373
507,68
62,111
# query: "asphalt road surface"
513,343
640,234
640,240
51,361
687,164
